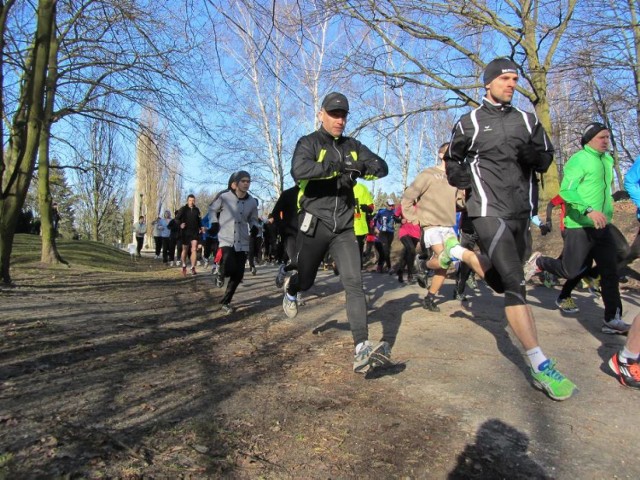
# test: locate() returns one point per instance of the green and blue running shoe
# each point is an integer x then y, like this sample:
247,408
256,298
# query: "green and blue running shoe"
445,258
552,382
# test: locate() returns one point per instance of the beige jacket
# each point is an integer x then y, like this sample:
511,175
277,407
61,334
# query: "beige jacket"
434,198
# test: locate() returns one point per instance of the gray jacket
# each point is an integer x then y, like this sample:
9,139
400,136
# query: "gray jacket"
237,216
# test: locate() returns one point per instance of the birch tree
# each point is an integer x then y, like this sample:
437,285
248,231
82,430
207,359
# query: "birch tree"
438,40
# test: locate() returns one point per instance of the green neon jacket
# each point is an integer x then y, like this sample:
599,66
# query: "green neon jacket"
587,183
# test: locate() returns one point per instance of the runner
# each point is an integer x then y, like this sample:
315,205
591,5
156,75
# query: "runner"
237,213
325,165
495,151
586,190
188,217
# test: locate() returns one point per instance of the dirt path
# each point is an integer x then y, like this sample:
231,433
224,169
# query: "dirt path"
138,375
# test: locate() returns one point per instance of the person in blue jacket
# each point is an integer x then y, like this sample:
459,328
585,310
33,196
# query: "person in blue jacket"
384,222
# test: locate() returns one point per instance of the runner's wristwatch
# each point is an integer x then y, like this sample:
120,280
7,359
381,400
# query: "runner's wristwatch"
588,211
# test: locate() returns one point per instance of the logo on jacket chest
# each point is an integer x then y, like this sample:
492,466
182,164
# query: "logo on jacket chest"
487,128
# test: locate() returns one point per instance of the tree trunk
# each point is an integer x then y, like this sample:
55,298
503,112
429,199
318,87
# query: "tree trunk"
49,253
24,138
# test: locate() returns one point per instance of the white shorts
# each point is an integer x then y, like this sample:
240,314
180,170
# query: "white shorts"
436,235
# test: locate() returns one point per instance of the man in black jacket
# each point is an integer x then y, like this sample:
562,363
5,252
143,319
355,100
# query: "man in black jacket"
325,165
189,220
285,217
495,151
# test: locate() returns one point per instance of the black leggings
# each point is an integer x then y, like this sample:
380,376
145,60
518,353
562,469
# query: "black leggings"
343,248
468,240
580,246
139,242
408,255
233,267
386,239
505,242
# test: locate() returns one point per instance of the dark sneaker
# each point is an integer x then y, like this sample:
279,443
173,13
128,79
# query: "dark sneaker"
628,373
615,326
219,281
567,305
193,270
253,270
226,309
549,280
380,356
461,297
290,307
422,281
429,304
184,271
531,268
552,382
281,276
361,357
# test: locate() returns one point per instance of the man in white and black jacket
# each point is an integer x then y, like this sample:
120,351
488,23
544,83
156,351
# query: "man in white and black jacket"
495,151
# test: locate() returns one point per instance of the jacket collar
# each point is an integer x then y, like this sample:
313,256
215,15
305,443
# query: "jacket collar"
593,151
327,134
496,107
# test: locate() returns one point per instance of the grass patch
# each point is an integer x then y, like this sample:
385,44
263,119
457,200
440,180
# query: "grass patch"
95,255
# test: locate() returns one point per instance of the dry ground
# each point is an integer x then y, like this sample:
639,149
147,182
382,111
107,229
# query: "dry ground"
137,374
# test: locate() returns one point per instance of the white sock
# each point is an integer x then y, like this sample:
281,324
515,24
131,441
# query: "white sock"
291,298
458,251
536,358
626,354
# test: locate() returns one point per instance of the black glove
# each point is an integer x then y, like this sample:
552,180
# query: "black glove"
346,181
354,168
545,228
253,231
368,209
532,159
215,228
458,174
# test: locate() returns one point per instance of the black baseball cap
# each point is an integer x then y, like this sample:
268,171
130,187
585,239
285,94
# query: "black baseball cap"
335,101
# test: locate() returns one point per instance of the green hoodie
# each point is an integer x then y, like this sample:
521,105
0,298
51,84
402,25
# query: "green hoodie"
587,183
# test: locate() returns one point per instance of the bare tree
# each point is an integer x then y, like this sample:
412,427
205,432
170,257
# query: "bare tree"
101,182
606,72
439,41
18,159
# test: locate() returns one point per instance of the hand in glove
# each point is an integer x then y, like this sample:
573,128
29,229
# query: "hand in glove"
536,221
531,158
354,168
253,231
545,228
458,174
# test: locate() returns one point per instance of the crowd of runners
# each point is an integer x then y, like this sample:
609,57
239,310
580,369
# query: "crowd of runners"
472,211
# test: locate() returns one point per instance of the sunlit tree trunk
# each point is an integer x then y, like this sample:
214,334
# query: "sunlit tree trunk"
49,253
26,127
